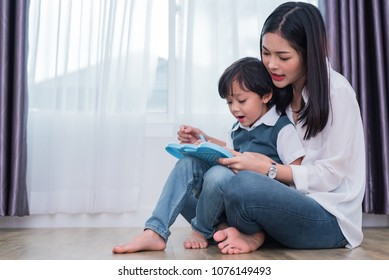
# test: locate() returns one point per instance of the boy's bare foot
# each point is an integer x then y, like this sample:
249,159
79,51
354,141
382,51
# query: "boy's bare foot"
196,241
231,241
148,240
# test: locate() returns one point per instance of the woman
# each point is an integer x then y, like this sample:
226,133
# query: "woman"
323,209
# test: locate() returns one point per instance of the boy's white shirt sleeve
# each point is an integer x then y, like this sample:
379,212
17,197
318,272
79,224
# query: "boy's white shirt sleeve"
289,146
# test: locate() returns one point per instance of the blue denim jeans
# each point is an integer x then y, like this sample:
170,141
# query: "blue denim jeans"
193,189
210,205
257,203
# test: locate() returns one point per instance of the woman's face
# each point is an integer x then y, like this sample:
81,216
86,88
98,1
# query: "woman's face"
282,61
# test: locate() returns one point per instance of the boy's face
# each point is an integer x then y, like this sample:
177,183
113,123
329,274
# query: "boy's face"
247,106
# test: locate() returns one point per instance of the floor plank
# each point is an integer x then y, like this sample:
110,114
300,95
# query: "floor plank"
96,244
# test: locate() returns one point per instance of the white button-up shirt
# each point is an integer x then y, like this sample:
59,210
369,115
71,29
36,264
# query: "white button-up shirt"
333,169
289,146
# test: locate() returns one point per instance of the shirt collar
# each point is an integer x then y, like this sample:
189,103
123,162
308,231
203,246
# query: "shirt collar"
269,118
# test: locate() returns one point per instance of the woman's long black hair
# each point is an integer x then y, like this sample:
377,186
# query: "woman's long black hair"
302,25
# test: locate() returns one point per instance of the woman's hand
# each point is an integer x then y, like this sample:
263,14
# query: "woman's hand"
258,163
247,161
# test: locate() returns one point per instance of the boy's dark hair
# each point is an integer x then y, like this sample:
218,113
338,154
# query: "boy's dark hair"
302,25
251,75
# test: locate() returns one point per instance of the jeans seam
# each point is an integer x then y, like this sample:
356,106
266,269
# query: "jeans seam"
283,211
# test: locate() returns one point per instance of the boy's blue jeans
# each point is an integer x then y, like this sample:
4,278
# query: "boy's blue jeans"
252,203
195,190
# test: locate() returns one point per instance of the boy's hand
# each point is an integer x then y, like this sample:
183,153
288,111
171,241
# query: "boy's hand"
188,134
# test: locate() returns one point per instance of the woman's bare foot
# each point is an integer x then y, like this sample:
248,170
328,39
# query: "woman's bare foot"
231,241
148,240
196,241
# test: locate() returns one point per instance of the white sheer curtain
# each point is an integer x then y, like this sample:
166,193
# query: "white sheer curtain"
92,64
90,70
210,36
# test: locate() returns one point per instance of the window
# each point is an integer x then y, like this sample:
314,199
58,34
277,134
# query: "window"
76,46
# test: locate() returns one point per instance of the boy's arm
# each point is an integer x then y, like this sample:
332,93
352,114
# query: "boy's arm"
215,141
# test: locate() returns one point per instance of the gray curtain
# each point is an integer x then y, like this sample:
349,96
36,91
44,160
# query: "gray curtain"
13,107
358,33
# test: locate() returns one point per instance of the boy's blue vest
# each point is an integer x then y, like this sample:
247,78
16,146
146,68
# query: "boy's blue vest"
262,139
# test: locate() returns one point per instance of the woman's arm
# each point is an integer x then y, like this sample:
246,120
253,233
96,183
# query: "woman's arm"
258,163
285,174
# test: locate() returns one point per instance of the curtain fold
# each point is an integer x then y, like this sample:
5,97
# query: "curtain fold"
13,107
359,49
90,71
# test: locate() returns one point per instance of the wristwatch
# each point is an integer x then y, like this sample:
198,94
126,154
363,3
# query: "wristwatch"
272,173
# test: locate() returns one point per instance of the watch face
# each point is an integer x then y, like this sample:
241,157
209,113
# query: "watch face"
272,174
272,171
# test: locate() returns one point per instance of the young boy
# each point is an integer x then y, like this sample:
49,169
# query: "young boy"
260,128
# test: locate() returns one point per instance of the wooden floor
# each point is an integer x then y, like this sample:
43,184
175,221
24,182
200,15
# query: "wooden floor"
96,244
